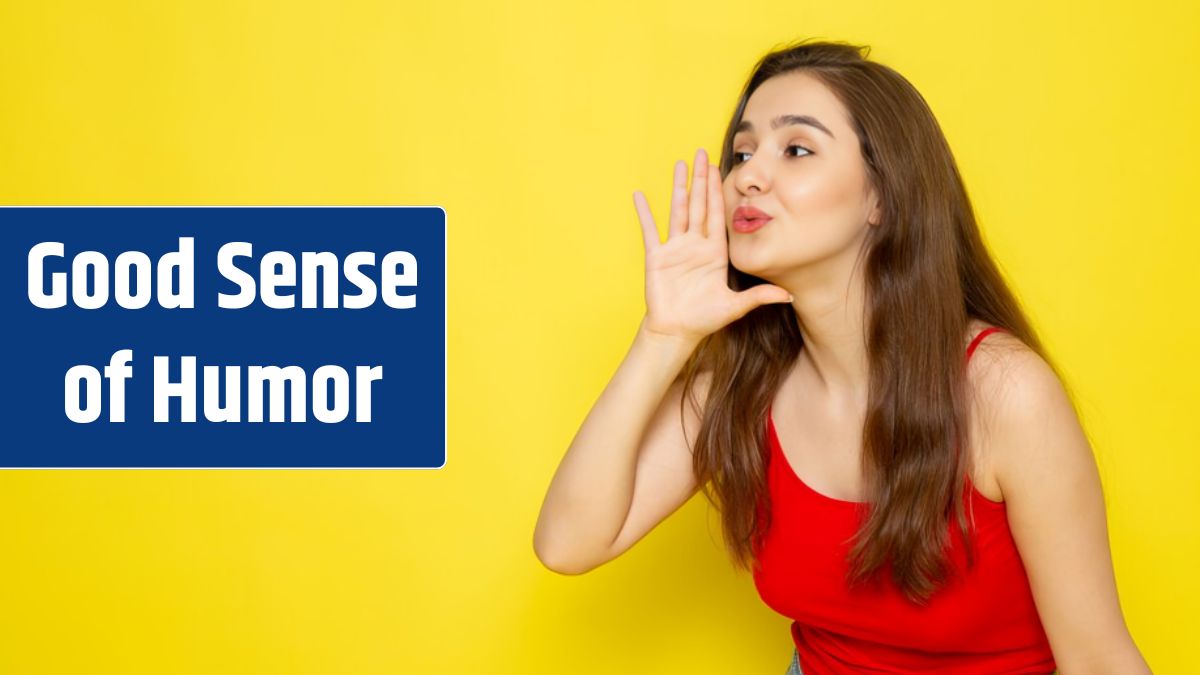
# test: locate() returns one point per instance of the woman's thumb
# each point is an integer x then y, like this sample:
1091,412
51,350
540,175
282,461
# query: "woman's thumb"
762,294
775,294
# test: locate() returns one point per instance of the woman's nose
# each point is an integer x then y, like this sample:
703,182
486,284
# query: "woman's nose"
751,177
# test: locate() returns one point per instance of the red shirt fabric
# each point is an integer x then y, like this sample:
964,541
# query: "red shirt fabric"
983,622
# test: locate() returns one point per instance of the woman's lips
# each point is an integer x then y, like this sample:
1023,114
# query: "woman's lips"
745,225
747,218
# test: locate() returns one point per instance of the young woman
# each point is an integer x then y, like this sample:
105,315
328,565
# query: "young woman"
892,451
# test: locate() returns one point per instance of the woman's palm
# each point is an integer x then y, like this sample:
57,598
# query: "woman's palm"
687,289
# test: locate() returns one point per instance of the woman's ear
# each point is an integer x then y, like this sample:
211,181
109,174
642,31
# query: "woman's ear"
875,214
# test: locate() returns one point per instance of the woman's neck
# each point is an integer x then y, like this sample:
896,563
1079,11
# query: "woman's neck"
830,311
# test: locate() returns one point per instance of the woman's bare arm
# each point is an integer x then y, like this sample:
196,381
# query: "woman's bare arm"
628,467
1056,509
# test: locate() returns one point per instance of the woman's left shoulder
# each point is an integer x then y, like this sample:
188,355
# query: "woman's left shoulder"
1003,371
1025,414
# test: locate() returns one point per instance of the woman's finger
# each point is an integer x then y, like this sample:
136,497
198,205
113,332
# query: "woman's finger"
714,224
697,199
649,228
678,222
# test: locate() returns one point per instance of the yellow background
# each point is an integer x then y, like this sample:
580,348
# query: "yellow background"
532,124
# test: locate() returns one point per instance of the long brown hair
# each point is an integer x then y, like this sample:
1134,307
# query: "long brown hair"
927,274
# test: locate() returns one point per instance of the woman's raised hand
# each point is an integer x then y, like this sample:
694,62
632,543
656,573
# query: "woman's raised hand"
687,289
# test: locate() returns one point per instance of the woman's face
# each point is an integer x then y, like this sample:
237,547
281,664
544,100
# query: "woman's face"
812,182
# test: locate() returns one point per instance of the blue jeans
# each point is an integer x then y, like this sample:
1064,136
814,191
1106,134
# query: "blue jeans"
794,667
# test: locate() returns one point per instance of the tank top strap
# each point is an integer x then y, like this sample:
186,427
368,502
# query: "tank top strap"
979,338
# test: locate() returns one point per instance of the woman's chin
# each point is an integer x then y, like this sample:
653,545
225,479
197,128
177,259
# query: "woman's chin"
750,262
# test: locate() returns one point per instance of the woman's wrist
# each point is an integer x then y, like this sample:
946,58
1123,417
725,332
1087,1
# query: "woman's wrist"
667,349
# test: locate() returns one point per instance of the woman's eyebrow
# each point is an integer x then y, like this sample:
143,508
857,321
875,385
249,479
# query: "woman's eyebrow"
786,120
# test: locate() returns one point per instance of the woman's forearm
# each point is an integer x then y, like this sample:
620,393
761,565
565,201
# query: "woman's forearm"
590,495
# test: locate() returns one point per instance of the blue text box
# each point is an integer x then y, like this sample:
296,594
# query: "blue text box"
407,400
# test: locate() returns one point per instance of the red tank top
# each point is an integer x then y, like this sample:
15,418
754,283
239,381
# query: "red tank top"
982,622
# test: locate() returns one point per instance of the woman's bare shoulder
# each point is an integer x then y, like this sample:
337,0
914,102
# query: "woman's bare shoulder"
1013,390
1002,361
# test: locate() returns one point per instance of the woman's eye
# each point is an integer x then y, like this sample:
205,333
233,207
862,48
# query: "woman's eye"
738,160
